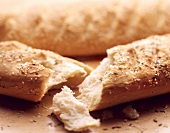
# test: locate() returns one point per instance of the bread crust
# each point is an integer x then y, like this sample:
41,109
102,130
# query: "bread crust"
29,73
130,72
78,28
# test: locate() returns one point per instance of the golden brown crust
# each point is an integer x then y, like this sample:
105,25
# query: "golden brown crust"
29,73
85,28
135,71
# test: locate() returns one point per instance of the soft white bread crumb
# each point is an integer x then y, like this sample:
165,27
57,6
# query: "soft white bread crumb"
72,112
130,112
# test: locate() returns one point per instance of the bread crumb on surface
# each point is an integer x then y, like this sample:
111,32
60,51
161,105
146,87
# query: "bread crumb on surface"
72,112
107,114
130,112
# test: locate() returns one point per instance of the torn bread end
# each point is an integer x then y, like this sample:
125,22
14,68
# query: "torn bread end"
28,73
72,112
129,72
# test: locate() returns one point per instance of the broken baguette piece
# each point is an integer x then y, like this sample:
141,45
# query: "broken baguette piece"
29,73
72,112
130,72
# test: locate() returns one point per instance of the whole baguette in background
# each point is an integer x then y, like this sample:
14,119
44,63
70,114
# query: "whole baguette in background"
29,73
130,72
83,28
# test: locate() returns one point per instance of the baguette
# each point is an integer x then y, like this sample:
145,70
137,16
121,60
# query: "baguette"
83,28
28,73
129,72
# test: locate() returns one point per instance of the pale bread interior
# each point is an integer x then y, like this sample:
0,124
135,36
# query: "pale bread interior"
72,112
